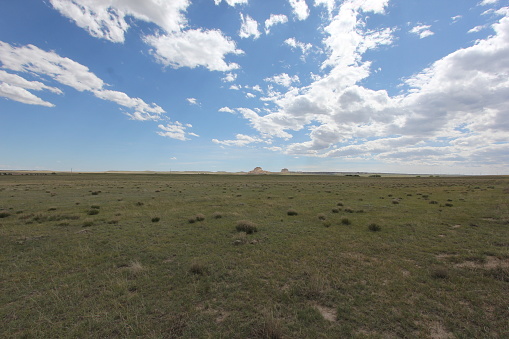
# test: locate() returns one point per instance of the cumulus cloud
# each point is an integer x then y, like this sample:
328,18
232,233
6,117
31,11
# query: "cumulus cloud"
454,111
176,131
297,44
423,31
193,48
300,9
230,77
106,19
33,60
283,79
275,19
226,109
248,27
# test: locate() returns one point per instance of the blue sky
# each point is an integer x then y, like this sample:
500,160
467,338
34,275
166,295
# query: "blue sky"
404,86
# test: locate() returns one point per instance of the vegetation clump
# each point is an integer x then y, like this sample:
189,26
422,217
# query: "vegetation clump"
217,215
321,216
93,212
156,219
374,227
292,212
345,221
4,214
246,226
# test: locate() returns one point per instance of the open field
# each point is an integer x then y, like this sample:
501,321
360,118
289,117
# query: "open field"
159,256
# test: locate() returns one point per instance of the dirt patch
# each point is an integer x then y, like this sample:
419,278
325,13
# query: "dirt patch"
491,262
328,313
438,331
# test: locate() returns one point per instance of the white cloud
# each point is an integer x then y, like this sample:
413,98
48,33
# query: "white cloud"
476,29
423,31
329,4
283,79
248,27
226,110
16,80
106,19
300,9
250,95
175,130
235,87
142,110
193,48
297,44
455,111
192,101
33,60
20,94
230,77
240,141
488,2
275,19
456,18
232,2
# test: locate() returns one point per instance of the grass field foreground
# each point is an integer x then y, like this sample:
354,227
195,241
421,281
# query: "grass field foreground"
163,256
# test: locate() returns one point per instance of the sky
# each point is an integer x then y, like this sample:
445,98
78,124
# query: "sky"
401,86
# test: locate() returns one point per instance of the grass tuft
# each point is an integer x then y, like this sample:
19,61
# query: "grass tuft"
374,227
246,226
156,219
4,214
200,217
292,212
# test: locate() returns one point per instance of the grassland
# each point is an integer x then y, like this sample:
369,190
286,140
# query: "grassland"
163,256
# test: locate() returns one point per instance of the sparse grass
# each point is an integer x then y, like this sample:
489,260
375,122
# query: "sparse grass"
118,275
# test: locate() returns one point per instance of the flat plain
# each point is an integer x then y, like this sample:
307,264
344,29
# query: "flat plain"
240,256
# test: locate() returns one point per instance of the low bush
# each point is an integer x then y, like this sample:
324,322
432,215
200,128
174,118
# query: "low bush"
93,212
321,216
156,219
246,226
292,212
345,221
200,217
374,227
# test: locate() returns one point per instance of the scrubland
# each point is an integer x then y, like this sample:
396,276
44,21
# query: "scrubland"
271,256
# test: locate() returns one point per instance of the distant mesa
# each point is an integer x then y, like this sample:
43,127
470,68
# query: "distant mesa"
258,170
285,170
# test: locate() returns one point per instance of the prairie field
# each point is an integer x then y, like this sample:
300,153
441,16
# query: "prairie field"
240,256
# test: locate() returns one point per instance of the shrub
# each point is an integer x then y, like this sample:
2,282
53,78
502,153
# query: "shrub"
439,273
348,210
197,268
374,227
200,217
448,204
246,226
191,220
139,203
156,219
321,216
433,202
340,203
4,214
93,212
326,223
217,215
292,212
395,201
88,223
335,210
345,221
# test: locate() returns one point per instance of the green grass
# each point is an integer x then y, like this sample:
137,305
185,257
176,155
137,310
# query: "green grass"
433,270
